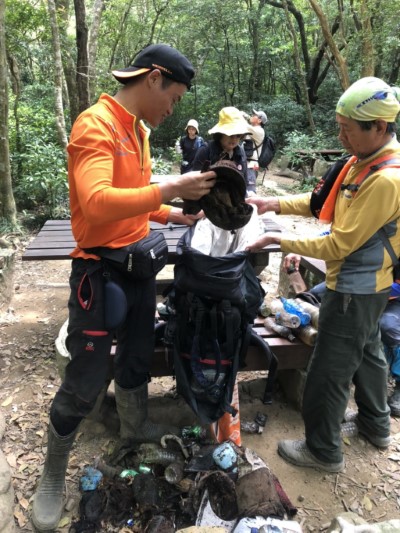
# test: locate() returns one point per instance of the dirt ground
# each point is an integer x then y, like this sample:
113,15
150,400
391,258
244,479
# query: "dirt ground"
369,486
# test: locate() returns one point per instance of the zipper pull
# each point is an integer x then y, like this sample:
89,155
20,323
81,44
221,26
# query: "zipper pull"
130,262
153,255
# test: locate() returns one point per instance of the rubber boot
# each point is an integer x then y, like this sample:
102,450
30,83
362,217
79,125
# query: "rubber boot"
48,502
132,410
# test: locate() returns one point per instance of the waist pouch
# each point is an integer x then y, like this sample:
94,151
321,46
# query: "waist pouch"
141,260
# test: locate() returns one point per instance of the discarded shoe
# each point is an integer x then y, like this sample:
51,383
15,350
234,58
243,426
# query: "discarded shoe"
297,453
394,401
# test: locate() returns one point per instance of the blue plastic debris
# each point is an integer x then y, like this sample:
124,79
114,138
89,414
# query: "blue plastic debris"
91,478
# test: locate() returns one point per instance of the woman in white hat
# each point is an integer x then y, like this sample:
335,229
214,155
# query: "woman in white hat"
227,135
189,144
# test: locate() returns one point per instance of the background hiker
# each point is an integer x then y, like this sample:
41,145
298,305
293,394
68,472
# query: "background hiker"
225,145
111,202
358,278
252,146
189,144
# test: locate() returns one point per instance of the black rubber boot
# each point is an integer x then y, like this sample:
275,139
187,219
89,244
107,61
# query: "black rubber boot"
394,401
132,410
48,502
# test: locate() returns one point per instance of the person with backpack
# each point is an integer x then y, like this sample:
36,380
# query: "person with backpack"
112,202
189,144
359,276
252,145
227,135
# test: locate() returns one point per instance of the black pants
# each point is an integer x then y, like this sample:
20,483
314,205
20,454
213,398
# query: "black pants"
89,342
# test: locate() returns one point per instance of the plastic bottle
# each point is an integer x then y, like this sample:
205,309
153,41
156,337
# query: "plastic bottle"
283,331
174,472
265,310
307,334
251,427
290,306
287,319
275,305
149,453
310,308
349,429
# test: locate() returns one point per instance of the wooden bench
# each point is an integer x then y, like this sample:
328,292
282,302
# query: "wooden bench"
308,157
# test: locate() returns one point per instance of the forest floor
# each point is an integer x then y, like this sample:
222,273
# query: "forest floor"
369,485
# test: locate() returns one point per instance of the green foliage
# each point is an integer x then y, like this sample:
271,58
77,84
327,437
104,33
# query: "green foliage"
38,163
44,182
161,161
297,140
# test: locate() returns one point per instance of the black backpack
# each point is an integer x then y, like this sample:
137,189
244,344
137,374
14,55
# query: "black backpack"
214,302
267,152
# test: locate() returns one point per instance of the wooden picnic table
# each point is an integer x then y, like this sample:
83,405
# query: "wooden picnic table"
55,241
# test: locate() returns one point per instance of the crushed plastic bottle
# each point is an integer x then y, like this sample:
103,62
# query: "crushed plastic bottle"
292,307
349,429
289,320
251,427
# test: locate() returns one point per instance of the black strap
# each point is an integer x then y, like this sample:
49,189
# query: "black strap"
386,243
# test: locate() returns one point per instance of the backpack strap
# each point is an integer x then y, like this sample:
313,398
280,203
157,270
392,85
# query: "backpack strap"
386,243
386,161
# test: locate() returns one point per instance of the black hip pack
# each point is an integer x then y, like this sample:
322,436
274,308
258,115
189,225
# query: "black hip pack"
141,260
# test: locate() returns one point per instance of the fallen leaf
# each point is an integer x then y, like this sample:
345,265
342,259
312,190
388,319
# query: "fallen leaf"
64,521
7,401
366,503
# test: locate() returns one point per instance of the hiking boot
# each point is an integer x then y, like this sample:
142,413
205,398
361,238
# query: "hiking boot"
297,453
376,440
394,401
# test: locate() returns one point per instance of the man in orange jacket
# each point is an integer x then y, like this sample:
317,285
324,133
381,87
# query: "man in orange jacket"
112,202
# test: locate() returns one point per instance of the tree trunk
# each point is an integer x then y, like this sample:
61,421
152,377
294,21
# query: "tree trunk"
58,76
340,61
82,63
8,210
16,88
93,37
69,66
367,42
299,70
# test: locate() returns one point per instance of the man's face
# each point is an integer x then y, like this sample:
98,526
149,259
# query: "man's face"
355,140
254,120
161,101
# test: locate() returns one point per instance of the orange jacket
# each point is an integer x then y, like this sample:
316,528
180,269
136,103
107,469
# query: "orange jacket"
111,198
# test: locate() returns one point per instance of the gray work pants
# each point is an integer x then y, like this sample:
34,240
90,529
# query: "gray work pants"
347,351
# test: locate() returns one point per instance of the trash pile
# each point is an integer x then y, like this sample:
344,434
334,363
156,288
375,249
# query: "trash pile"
291,318
180,483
